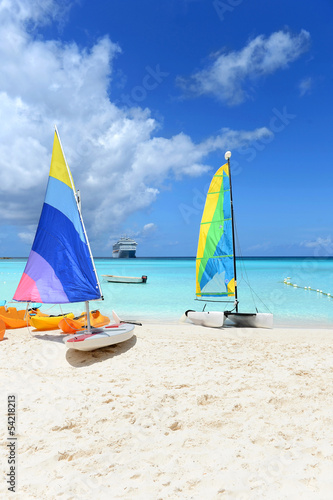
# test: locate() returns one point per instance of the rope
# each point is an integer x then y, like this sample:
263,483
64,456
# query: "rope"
243,270
287,282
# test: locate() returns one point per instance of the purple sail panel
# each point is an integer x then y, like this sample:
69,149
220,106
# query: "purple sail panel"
39,277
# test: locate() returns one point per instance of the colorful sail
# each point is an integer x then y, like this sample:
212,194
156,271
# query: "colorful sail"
215,254
60,266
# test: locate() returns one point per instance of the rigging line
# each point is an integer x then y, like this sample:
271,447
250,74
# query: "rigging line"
246,278
253,292
242,265
263,303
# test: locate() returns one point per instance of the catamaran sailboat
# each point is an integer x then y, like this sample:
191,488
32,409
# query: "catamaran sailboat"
216,260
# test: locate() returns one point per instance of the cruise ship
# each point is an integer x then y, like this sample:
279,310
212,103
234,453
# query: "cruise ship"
125,248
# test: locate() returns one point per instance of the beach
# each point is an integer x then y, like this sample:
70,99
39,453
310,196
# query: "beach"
178,411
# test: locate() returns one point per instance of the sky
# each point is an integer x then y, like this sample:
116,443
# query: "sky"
147,97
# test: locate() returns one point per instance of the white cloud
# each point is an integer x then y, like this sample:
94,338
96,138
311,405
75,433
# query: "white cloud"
321,247
260,246
323,243
117,160
149,228
27,237
226,77
305,86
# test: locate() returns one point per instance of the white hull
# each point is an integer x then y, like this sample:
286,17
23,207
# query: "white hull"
256,320
102,337
211,319
215,319
124,254
124,279
125,248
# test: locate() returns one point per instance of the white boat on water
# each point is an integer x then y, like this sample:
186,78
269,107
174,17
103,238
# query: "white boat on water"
125,248
125,279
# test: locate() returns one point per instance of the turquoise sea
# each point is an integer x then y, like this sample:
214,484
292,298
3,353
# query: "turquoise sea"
170,289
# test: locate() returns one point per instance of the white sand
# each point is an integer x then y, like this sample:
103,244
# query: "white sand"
178,412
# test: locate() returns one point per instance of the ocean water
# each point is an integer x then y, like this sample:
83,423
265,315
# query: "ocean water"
170,289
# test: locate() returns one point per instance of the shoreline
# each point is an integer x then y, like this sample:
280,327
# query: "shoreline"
166,319
279,323
165,298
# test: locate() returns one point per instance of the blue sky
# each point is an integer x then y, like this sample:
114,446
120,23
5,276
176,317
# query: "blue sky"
147,97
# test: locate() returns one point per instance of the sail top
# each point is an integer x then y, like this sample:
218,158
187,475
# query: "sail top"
59,169
215,255
60,266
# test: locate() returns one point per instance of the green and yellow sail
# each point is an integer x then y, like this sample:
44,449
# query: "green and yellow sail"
215,255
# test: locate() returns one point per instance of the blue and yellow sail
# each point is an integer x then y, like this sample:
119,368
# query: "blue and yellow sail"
215,275
60,266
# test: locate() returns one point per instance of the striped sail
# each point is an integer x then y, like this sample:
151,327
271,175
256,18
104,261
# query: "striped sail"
215,254
60,267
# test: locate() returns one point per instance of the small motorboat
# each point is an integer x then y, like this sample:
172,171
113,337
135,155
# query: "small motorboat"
125,279
48,322
97,320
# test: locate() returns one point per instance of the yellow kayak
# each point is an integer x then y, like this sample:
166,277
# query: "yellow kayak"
41,322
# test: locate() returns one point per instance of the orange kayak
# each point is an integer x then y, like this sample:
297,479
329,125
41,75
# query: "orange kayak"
80,323
16,319
13,318
2,329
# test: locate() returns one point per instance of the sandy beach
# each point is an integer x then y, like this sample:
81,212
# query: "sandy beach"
178,411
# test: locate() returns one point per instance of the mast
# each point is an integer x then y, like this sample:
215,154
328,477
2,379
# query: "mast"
227,157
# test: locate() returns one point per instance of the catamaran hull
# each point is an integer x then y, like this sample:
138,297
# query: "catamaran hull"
101,337
211,319
256,320
215,319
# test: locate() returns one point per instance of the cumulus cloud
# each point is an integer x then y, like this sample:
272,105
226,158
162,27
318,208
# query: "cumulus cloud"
149,228
227,76
117,159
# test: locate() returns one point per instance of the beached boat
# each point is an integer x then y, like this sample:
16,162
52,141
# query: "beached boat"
2,329
60,268
125,279
97,320
104,337
216,260
14,318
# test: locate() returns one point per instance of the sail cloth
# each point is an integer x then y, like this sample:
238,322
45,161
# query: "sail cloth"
215,254
60,267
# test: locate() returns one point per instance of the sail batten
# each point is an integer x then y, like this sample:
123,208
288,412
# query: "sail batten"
215,253
60,267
